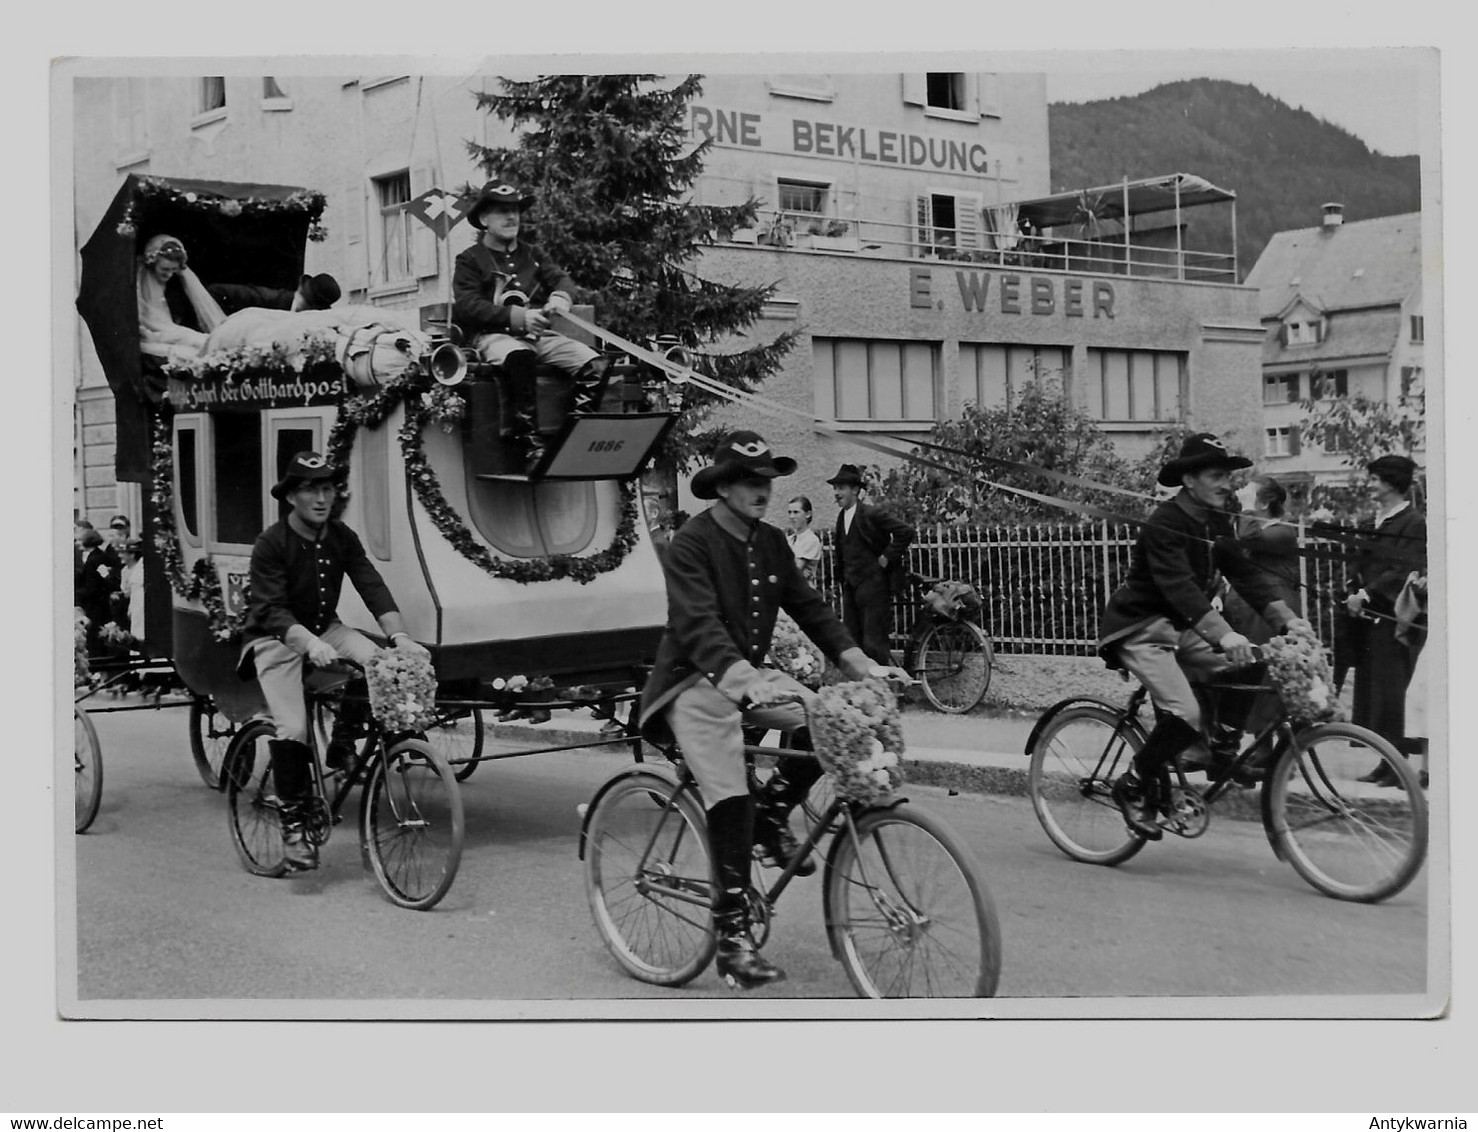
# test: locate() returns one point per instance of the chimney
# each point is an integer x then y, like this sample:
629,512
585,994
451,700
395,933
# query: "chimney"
1334,216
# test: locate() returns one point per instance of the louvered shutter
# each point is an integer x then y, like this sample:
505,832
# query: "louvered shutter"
914,90
422,238
924,224
967,221
351,220
1295,442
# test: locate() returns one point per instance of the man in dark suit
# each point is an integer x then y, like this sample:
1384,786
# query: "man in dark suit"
313,293
871,548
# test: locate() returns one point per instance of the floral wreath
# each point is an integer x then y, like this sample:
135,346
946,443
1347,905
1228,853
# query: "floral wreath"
440,406
152,189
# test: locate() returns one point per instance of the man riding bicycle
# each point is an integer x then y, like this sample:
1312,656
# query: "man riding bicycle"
298,566
1161,625
728,574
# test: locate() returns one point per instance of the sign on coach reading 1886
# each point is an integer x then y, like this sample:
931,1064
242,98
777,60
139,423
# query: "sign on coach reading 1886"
1011,292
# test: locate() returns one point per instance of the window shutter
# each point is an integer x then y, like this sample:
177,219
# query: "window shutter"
1291,383
989,87
423,239
924,218
1318,325
356,255
1295,444
967,220
913,90
1282,334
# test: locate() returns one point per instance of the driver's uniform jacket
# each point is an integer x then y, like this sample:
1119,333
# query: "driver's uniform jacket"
727,580
1179,558
295,581
482,276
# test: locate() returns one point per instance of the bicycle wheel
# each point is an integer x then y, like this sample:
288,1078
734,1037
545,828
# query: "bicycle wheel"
1074,762
648,880
458,734
907,911
253,810
1350,840
954,663
411,824
210,736
87,765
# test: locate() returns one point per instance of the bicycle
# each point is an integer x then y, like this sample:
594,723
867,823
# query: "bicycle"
947,652
1348,840
906,911
210,738
87,766
410,813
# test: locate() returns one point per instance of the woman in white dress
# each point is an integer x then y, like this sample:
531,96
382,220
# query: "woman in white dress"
164,267
803,541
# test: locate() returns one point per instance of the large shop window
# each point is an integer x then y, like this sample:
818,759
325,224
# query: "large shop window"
875,380
993,376
1136,385
237,474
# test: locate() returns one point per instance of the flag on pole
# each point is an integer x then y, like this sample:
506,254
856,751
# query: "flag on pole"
439,210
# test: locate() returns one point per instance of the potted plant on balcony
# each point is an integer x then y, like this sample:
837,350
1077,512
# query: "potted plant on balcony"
834,235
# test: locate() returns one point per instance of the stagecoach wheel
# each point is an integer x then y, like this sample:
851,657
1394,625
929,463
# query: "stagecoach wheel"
210,736
411,824
458,733
253,809
648,881
1074,762
87,762
907,911
1350,840
954,663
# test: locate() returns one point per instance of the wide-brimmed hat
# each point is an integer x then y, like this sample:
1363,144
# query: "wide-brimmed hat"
1199,452
319,291
496,192
847,474
1398,471
305,467
743,454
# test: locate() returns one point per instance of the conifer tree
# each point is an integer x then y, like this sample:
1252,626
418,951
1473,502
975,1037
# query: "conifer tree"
611,165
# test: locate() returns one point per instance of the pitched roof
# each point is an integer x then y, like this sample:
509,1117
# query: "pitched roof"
1362,263
1351,334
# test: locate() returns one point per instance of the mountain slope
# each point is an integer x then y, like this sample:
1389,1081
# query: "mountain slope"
1283,163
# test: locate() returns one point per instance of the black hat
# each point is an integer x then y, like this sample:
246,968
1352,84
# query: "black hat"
303,468
1398,471
847,474
496,192
743,454
1199,452
319,291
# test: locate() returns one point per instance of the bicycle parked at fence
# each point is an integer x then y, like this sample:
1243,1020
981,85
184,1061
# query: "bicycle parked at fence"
410,809
907,912
947,652
1349,839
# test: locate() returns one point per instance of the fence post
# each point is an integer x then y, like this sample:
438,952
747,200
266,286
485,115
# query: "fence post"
1105,545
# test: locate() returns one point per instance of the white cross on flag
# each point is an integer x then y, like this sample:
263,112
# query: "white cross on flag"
439,210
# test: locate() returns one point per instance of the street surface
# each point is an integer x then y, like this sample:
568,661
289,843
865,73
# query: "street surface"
165,911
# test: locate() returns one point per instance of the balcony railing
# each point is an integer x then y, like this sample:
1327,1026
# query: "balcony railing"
1109,255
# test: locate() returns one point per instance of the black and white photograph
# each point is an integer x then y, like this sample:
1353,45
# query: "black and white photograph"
664,538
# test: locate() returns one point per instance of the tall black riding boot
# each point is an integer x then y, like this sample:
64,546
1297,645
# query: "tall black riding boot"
519,387
590,385
292,772
1138,794
731,841
786,789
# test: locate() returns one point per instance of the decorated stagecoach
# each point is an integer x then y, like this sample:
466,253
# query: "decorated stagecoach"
501,569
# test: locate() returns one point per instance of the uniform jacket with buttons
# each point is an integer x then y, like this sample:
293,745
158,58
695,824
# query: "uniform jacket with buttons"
723,595
1175,569
482,275
295,581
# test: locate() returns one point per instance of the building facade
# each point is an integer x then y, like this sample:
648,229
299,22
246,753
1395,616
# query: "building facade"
906,219
1341,307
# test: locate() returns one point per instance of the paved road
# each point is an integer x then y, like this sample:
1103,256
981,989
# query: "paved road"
164,911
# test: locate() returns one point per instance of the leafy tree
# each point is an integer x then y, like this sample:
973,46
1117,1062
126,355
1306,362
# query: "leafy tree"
1361,428
610,163
1040,427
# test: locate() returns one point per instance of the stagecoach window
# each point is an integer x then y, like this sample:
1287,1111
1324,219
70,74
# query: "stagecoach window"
533,520
237,465
187,480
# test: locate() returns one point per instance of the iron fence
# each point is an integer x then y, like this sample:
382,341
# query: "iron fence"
1044,585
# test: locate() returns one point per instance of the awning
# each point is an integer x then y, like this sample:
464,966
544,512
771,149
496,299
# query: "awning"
1107,202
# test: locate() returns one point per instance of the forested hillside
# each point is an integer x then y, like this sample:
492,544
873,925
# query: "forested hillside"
1283,163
